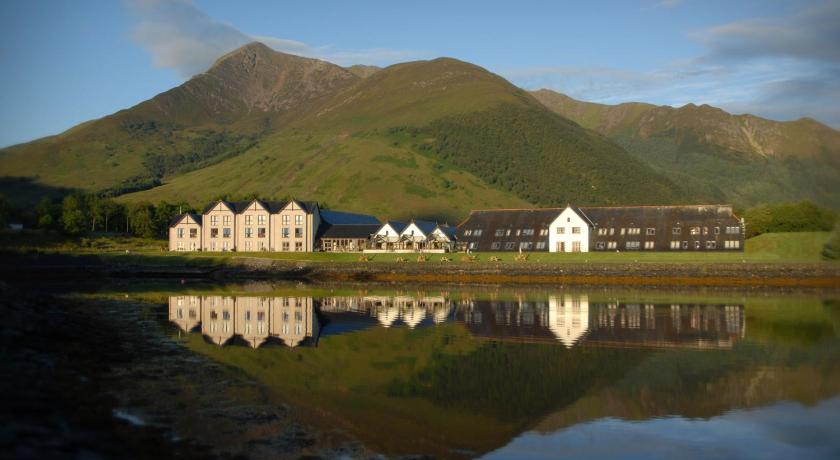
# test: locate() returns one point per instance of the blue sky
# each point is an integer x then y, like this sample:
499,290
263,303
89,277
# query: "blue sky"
67,62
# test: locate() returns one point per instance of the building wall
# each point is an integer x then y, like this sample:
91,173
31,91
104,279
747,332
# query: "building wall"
252,319
223,220
290,222
218,315
254,243
569,232
293,319
185,242
568,317
185,311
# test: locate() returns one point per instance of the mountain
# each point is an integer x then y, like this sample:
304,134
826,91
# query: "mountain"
746,159
428,138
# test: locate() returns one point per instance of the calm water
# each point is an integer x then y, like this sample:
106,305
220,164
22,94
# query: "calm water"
537,373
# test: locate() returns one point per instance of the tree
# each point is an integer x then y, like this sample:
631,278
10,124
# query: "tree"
73,218
45,213
141,217
164,212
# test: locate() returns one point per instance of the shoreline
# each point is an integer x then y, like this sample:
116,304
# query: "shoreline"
815,275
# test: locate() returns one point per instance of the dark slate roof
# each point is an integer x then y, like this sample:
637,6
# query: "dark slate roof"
450,232
491,220
628,215
213,204
276,206
397,226
425,226
177,219
355,231
347,218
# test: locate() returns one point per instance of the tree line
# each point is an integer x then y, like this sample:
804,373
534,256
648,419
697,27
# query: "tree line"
79,213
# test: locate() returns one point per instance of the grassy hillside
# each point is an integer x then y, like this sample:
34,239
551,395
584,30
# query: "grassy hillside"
433,139
717,156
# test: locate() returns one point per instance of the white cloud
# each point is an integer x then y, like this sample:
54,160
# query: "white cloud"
181,37
781,68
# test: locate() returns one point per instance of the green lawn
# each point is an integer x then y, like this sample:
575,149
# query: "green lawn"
772,247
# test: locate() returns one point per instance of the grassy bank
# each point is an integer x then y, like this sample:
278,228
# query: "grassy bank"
801,247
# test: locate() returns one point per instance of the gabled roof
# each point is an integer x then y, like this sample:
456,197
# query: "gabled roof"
177,219
241,206
511,218
332,217
450,232
213,205
397,226
424,225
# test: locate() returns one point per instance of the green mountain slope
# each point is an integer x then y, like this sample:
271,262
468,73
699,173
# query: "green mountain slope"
429,138
213,116
746,159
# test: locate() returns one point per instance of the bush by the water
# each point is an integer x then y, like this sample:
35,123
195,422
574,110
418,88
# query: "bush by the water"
831,250
788,217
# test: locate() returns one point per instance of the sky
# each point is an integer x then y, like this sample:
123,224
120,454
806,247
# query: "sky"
62,63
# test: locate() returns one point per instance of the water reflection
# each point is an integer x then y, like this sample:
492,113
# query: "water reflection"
290,321
566,319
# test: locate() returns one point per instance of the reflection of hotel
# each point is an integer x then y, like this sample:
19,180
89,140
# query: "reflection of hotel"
254,320
571,319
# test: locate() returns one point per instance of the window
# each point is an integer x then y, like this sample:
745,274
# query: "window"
648,244
518,231
496,245
733,230
226,220
694,231
225,315
684,245
612,245
509,245
676,231
180,233
500,232
544,232
612,231
622,230
247,220
284,219
214,233
285,246
299,220
599,245
650,231
717,230
561,246
675,244
466,232
193,233
261,232
711,245
526,246
261,220
541,245
732,244
528,232
576,230
226,246
561,230
478,232
298,246
284,233
705,230
473,245
214,220
632,245
507,232
696,245
226,232
180,245
575,246
634,231
602,231
298,232
248,232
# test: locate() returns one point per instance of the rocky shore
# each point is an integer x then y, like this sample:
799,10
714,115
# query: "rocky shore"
100,379
746,274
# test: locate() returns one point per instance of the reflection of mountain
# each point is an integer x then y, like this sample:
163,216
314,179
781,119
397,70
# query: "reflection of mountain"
255,320
572,319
